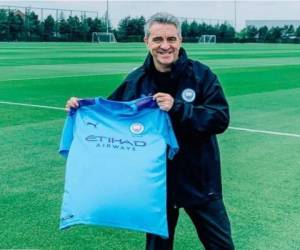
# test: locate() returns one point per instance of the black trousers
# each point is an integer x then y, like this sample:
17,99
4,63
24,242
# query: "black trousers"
211,222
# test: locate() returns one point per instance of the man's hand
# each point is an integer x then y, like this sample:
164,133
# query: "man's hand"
164,101
72,103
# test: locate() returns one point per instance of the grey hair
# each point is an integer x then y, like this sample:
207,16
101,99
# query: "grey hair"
163,18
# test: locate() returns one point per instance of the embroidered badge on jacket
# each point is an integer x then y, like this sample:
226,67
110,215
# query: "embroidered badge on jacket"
188,95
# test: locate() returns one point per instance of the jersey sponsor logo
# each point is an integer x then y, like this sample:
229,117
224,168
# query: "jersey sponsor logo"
115,143
188,95
137,128
100,138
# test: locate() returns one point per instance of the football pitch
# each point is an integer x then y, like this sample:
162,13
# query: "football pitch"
260,151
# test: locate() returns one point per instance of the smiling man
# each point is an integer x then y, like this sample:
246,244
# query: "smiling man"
194,99
163,42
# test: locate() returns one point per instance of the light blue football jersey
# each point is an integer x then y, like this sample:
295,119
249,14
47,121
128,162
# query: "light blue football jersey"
116,165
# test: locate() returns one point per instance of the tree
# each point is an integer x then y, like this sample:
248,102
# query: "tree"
248,34
242,36
184,28
95,25
3,25
262,33
202,29
274,34
74,24
210,30
98,25
193,30
49,28
252,33
84,29
33,28
64,30
122,28
225,32
131,29
297,32
140,25
288,31
16,26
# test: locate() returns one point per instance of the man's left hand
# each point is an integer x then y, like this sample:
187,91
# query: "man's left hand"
164,101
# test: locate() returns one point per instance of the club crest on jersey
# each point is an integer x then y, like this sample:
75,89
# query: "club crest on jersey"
188,95
137,128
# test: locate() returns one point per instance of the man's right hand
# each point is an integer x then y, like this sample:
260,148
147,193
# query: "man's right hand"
72,103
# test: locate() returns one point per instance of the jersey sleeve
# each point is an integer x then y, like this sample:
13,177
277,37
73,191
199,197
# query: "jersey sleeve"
67,136
170,138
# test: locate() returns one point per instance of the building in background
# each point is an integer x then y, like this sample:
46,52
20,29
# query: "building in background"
272,23
20,13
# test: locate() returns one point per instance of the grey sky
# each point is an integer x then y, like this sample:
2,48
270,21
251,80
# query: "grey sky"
200,9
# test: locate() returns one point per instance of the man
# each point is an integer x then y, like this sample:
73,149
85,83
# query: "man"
195,101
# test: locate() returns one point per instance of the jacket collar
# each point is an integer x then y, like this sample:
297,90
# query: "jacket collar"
177,68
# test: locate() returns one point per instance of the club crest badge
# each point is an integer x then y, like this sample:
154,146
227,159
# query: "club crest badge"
137,128
188,95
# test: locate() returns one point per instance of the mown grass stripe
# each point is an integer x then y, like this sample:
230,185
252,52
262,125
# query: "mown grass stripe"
233,128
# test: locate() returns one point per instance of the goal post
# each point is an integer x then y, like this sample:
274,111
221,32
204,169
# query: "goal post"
208,39
103,37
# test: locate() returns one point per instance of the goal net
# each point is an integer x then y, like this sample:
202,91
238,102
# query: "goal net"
207,39
101,37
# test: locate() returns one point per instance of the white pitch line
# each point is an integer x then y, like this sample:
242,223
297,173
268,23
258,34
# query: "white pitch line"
58,76
31,105
233,128
265,132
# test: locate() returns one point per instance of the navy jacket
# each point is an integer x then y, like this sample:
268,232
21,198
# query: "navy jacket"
200,112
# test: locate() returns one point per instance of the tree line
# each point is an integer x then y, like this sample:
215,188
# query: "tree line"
16,26
287,33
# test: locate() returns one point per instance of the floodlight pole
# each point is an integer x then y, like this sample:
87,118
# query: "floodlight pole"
56,24
26,22
8,28
107,16
235,14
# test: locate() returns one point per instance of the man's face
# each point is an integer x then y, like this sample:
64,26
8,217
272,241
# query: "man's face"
163,44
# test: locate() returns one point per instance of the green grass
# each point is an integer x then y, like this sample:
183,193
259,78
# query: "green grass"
261,172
